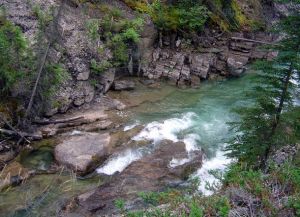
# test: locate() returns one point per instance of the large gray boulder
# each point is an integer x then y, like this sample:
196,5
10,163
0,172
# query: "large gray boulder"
84,152
237,64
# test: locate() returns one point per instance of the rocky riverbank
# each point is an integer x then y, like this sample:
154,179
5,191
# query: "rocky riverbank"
82,141
216,54
86,114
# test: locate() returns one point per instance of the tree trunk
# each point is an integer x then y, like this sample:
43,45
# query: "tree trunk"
278,112
37,81
54,30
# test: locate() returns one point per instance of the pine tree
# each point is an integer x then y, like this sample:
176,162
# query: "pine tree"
261,128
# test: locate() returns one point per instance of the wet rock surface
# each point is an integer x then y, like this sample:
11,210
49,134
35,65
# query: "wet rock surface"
123,85
151,173
83,152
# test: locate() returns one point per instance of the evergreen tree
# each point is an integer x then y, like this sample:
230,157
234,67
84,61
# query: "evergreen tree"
261,128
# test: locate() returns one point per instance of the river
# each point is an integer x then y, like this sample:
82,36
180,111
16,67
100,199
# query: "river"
198,117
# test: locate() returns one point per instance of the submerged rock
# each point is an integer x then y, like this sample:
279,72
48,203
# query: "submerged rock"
151,173
82,153
13,174
123,85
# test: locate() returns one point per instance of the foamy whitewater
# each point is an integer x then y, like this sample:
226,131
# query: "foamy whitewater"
154,132
167,130
170,129
219,162
120,162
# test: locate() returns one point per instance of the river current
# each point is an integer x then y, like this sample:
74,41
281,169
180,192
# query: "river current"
198,117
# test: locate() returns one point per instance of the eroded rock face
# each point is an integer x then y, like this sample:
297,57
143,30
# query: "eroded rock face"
152,173
82,153
84,93
226,57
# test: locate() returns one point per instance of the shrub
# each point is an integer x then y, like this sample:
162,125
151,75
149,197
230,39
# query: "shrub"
13,52
196,211
93,27
131,35
98,68
55,75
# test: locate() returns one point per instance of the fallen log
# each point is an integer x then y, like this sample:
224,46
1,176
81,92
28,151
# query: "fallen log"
46,122
21,134
16,132
251,40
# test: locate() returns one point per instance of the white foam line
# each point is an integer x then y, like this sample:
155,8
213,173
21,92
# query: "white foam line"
219,162
166,130
119,162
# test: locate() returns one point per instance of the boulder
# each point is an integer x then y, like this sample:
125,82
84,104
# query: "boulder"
107,79
123,85
84,152
83,93
147,82
151,173
201,65
237,64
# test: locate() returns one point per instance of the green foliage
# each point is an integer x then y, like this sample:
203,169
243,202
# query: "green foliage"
150,197
118,33
191,15
44,17
262,128
193,18
120,204
251,180
54,76
131,35
256,184
294,203
153,213
188,17
93,27
13,53
98,68
223,207
119,49
196,211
